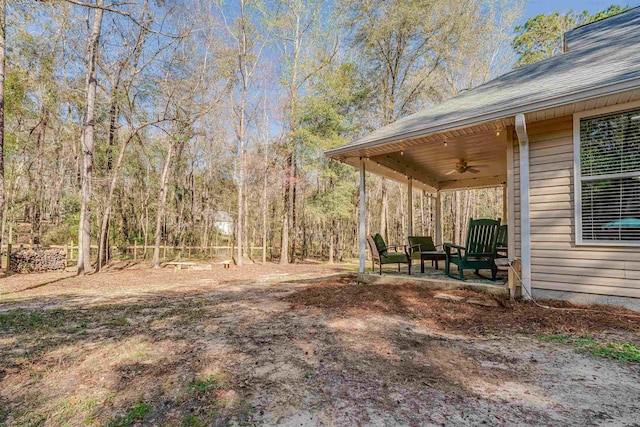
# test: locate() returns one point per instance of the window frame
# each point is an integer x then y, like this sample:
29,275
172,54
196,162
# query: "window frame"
577,176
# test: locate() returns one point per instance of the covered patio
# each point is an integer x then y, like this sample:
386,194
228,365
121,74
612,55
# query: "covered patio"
476,156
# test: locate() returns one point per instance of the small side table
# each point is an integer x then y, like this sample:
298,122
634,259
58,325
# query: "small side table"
431,256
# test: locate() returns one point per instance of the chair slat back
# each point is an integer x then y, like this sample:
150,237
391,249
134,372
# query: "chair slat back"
372,247
425,242
482,236
503,233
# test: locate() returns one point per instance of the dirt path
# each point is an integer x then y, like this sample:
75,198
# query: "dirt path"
142,347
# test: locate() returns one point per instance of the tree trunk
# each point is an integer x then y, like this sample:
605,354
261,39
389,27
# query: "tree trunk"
384,208
84,230
423,228
162,201
332,239
265,207
292,209
457,233
240,207
265,201
288,208
284,249
104,228
3,12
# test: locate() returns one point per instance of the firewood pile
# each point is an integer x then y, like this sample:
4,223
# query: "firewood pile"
30,261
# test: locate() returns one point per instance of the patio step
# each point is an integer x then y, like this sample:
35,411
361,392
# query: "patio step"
434,284
448,297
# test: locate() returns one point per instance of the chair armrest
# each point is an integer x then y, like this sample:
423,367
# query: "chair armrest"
451,245
417,245
459,250
395,247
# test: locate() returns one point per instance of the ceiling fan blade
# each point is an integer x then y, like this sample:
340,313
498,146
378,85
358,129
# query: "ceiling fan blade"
472,170
451,172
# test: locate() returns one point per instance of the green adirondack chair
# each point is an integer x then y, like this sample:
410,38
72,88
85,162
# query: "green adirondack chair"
479,252
420,243
380,253
502,243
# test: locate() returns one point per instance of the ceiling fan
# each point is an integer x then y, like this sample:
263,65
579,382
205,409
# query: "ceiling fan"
462,166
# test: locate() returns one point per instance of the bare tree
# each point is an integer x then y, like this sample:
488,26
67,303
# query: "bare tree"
249,50
84,230
3,52
307,51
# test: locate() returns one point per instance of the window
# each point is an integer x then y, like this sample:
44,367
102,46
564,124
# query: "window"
607,170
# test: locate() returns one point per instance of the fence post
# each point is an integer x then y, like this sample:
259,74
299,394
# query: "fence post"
164,251
189,253
8,256
135,252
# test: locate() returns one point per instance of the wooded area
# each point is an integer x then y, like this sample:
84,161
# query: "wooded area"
145,121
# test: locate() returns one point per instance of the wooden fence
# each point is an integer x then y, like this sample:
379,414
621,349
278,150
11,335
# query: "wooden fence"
137,252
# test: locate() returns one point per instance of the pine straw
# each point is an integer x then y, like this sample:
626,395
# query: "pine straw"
417,303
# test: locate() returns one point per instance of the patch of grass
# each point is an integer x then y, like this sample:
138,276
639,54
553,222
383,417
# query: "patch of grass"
621,352
137,413
118,321
200,387
79,328
192,421
71,407
22,319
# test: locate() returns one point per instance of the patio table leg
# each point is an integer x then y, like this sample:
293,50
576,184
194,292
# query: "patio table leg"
422,265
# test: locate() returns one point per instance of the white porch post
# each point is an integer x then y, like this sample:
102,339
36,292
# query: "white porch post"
514,284
410,207
363,213
438,219
511,196
525,215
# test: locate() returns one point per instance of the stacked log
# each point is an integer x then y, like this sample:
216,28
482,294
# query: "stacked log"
30,261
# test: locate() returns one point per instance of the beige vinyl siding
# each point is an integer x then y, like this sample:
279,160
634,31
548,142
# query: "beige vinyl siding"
556,262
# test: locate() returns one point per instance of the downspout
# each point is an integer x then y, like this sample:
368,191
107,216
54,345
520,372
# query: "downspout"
525,213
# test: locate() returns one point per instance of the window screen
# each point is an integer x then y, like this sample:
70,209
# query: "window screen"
610,177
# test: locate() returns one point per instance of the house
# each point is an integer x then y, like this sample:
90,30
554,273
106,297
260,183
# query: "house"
563,138
223,222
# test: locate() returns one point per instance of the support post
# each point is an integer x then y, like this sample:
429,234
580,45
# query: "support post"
525,215
438,218
410,206
514,285
363,213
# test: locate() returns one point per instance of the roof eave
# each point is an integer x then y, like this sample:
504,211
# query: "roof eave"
566,99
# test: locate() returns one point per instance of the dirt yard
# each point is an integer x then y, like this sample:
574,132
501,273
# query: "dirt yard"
299,345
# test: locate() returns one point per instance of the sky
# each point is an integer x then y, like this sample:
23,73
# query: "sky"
536,7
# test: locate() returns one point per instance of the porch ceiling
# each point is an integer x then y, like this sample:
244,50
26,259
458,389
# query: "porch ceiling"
427,160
